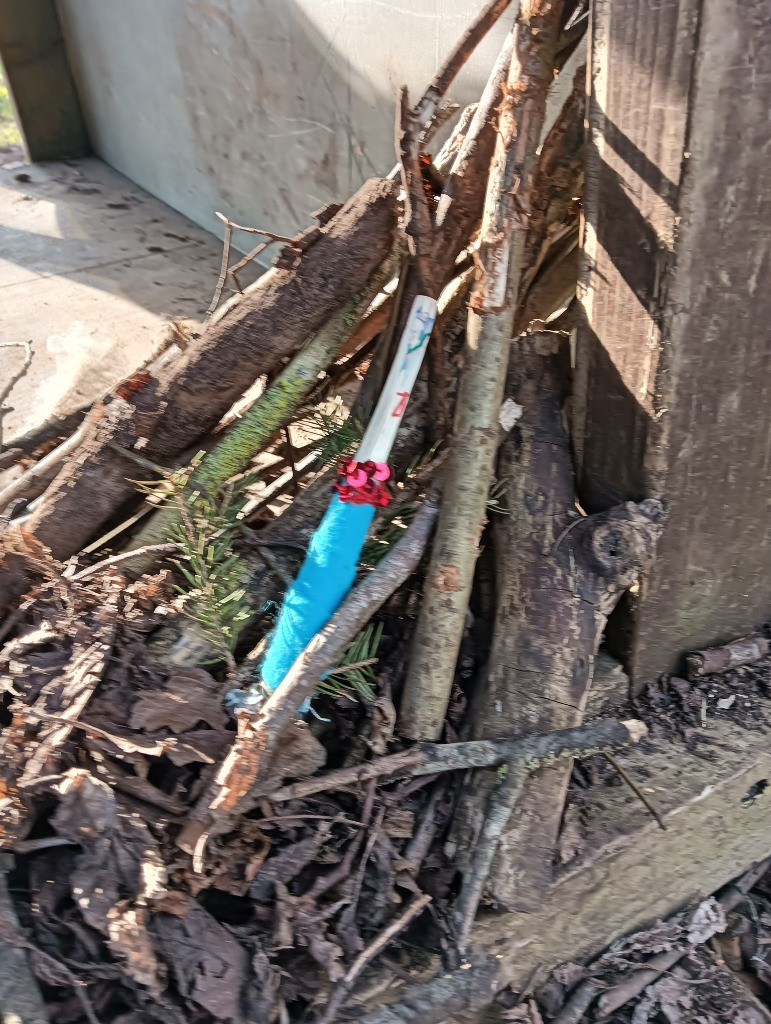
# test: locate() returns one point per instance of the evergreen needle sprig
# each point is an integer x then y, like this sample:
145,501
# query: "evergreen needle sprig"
206,532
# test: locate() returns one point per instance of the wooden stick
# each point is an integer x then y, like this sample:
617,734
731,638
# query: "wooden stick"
428,758
502,802
125,556
425,109
720,659
491,320
42,471
428,104
249,757
223,269
574,1009
337,999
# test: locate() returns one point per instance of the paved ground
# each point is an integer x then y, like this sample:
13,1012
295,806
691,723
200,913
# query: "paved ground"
90,269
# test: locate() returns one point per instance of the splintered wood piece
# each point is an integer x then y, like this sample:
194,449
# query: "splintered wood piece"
721,659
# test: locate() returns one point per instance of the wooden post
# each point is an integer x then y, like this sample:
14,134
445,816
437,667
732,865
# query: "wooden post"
673,354
40,82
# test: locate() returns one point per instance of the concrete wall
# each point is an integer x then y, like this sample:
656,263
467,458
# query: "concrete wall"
264,109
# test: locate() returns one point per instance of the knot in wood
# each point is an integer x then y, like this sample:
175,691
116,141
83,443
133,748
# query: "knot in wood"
623,540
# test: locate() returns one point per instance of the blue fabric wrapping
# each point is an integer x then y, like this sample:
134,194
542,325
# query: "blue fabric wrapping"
325,578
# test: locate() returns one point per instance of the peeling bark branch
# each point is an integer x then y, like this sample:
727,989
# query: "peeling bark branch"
448,582
188,396
430,758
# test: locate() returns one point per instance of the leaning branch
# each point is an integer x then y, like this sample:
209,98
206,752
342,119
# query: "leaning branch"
491,320
274,408
431,758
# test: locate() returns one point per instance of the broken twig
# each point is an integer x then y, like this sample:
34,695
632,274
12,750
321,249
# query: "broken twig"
636,790
338,996
721,659
428,758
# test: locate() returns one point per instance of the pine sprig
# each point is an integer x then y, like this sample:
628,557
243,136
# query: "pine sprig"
354,675
334,434
214,596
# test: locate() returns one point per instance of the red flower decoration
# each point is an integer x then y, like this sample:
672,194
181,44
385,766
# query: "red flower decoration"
363,483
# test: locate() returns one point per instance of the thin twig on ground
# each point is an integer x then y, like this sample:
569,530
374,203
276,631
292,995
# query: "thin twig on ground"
647,803
338,997
428,758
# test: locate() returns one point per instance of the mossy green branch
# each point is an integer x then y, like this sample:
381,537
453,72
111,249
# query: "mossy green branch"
274,408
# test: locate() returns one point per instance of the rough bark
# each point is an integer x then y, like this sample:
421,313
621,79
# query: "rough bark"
433,758
558,182
559,576
247,338
471,987
273,408
491,319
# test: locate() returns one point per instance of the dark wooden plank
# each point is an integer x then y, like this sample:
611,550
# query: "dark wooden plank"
673,355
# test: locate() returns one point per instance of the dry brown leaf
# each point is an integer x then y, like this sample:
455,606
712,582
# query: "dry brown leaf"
209,966
190,696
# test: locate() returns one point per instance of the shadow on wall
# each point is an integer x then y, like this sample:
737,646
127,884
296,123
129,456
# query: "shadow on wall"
264,109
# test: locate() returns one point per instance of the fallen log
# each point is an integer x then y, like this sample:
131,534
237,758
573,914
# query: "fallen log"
559,577
165,414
